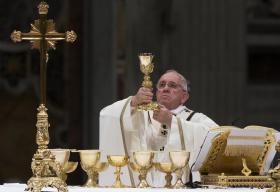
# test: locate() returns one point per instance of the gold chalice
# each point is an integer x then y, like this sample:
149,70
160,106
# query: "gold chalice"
118,161
167,168
62,157
89,159
179,160
147,67
92,180
143,162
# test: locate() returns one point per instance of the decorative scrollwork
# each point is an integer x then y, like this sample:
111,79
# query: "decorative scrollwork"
43,8
71,36
16,36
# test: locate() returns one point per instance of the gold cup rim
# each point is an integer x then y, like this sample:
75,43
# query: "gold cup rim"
65,158
125,160
164,166
89,150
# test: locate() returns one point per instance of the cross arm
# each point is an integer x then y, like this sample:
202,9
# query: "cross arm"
69,36
18,36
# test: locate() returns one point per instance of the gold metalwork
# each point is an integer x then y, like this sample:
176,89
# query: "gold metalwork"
43,8
118,161
92,173
236,181
46,171
147,67
89,160
168,169
179,160
246,171
274,174
69,167
228,171
216,151
62,157
143,163
269,141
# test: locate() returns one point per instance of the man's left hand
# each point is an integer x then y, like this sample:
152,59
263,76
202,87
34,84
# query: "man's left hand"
163,115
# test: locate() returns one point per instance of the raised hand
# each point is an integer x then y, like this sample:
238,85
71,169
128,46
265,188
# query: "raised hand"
144,95
163,115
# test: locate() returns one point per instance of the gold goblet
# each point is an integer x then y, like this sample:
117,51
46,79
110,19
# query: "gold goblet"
143,162
179,160
118,161
146,67
89,159
93,173
167,168
62,157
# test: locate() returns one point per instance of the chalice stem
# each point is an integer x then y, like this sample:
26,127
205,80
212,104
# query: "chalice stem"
93,178
168,179
142,177
118,183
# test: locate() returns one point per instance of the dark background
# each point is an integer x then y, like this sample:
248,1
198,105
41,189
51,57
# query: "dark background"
228,49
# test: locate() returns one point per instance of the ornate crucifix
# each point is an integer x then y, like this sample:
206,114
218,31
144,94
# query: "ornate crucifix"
46,171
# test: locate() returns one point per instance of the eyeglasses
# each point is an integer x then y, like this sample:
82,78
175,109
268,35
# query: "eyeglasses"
170,84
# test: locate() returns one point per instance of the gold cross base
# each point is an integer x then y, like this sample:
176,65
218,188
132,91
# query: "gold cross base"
36,184
46,173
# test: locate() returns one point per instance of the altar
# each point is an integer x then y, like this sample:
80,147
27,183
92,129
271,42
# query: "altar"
16,187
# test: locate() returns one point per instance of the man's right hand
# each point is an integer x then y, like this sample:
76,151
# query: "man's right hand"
144,95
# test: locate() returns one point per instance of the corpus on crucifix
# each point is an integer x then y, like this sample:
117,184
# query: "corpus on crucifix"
46,171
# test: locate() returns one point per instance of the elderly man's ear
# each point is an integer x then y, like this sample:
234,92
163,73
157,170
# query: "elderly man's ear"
185,98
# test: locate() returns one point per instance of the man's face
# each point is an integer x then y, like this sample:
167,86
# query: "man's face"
170,92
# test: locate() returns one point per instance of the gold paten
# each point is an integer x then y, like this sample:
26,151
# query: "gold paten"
46,171
147,67
235,171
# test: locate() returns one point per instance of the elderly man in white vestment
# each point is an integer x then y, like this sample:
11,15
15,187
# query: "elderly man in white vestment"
124,130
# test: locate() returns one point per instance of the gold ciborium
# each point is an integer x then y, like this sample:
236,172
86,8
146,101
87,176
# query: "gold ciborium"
118,161
179,160
89,159
147,67
62,157
143,162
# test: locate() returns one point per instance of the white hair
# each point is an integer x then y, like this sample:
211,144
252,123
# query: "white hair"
183,81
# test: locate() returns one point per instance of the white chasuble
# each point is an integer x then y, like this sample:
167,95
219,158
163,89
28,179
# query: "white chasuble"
124,130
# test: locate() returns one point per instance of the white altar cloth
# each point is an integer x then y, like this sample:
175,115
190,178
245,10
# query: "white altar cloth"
16,187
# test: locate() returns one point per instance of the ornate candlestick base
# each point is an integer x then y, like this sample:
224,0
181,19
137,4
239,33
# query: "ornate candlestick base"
36,184
46,171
